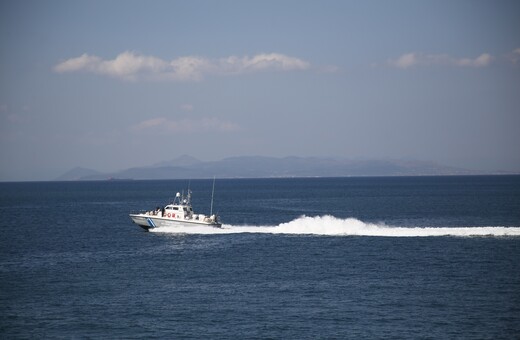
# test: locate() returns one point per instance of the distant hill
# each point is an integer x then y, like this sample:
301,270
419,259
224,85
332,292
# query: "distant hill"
262,167
77,174
183,160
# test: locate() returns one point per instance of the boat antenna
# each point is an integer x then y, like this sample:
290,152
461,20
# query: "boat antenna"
212,193
189,191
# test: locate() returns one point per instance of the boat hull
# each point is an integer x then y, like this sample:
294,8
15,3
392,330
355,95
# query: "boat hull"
148,222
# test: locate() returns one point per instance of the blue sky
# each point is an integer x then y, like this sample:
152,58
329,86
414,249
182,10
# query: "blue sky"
115,84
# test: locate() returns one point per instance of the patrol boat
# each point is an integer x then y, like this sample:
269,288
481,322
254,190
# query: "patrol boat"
179,213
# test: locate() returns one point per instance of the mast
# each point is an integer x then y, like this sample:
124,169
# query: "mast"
212,193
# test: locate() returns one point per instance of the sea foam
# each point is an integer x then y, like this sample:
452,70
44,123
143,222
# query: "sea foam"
331,226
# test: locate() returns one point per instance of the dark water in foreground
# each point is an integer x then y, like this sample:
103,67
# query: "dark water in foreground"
72,264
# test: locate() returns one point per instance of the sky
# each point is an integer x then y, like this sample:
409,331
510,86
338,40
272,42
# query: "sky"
109,85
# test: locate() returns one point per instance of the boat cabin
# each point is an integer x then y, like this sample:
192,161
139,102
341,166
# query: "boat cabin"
177,211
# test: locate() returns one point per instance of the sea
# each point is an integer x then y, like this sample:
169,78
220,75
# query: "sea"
297,258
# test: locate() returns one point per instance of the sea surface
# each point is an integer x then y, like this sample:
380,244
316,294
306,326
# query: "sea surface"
349,258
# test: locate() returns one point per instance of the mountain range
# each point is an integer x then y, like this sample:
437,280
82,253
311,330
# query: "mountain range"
263,167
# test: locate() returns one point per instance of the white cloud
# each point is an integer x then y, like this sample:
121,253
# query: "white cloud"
262,62
481,61
514,56
83,62
418,59
126,65
131,66
150,123
187,107
161,124
406,60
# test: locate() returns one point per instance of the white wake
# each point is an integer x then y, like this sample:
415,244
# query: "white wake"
332,226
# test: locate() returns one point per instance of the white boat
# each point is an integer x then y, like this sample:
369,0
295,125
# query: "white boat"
179,213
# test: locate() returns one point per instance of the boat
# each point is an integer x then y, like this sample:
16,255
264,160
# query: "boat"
178,213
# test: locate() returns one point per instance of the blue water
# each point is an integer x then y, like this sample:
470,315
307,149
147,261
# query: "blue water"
297,258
